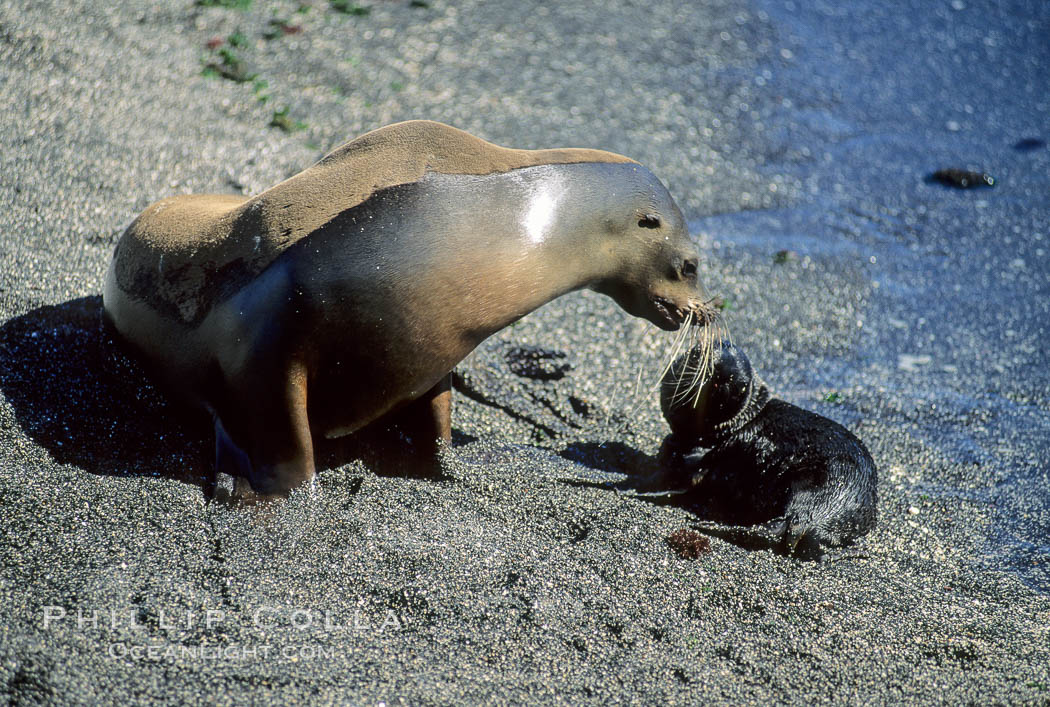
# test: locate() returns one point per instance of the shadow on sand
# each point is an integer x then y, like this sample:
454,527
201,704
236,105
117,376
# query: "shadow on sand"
76,394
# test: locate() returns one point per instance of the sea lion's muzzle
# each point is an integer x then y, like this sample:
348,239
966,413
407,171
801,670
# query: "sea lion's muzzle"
698,313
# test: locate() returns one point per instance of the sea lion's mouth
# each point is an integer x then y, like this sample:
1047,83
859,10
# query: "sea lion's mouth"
670,315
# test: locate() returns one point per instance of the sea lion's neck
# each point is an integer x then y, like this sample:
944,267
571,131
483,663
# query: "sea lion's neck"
516,241
499,286
757,396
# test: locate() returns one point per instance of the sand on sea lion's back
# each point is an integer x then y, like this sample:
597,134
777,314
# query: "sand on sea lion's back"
176,236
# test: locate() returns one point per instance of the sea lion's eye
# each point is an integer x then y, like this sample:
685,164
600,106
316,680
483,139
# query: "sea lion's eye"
689,268
649,221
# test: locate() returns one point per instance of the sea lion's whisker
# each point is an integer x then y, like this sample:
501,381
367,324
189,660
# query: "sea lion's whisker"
701,371
686,327
676,347
707,369
681,343
698,342
633,397
636,400
696,367
718,335
727,335
704,366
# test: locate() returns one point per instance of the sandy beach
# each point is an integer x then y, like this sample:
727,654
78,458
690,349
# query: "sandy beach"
913,313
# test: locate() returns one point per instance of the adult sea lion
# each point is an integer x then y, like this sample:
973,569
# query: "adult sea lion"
347,293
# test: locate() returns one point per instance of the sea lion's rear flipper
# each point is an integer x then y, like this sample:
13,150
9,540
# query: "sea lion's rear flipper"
775,535
748,537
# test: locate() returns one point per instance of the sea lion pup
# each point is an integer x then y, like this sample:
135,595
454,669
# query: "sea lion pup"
346,294
807,478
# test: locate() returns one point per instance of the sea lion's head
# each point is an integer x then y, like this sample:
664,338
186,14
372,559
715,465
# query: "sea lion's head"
702,398
655,266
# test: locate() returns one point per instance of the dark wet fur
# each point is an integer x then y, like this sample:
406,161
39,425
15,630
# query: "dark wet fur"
803,480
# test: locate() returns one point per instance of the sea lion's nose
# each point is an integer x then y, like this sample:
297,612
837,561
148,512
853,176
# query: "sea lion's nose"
707,311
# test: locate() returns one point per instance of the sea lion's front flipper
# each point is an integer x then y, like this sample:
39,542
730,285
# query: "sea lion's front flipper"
229,458
281,446
232,466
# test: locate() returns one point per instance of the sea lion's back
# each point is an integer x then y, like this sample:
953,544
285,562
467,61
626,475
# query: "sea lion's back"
154,259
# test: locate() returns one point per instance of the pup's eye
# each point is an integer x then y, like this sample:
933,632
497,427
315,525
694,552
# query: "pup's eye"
689,268
649,221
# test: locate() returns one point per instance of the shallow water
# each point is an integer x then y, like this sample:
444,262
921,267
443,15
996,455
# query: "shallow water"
955,311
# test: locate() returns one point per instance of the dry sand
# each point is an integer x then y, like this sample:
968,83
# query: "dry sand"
914,314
